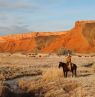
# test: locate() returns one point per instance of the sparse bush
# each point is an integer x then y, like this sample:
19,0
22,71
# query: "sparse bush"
79,56
63,51
60,51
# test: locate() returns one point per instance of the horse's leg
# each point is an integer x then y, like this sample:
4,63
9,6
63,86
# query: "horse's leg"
72,72
75,72
66,73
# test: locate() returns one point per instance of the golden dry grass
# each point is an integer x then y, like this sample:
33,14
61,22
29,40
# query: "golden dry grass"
2,77
51,82
52,74
52,88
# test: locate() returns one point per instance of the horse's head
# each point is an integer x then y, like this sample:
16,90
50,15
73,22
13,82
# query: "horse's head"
60,64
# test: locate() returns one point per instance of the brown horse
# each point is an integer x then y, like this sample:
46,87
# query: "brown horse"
66,69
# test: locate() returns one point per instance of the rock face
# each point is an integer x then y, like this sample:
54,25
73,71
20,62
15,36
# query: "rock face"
79,39
29,42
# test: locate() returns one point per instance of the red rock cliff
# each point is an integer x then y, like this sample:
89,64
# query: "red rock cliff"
81,38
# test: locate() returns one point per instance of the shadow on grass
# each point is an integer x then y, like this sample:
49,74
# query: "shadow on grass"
84,75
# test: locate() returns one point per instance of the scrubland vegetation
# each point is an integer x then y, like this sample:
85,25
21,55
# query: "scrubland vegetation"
28,76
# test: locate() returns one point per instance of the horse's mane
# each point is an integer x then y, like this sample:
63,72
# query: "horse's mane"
62,63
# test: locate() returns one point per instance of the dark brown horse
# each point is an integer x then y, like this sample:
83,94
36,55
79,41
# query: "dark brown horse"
66,69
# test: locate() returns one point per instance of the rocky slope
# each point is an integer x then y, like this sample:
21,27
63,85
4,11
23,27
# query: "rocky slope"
28,42
81,38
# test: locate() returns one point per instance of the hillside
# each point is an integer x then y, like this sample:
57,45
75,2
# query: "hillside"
28,42
81,39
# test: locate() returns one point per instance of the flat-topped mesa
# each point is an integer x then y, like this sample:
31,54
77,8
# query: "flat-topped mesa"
87,29
20,36
79,39
83,23
31,35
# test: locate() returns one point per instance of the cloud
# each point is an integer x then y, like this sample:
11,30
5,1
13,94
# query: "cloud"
13,30
11,24
18,16
17,4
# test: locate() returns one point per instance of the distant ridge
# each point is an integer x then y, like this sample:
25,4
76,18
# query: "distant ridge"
81,39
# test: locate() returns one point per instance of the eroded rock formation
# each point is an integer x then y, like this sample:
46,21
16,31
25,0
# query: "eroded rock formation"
81,38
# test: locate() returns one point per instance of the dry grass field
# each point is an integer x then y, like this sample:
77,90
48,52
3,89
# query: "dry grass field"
30,75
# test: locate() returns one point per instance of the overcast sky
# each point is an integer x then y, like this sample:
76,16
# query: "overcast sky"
19,16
